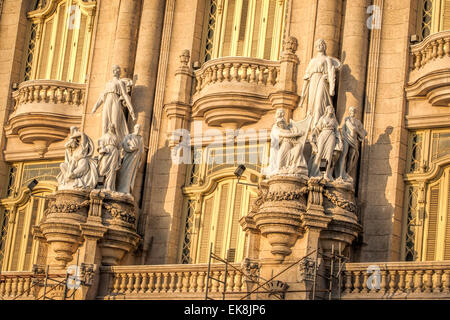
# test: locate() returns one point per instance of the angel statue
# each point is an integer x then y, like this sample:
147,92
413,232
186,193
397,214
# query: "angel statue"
320,82
116,95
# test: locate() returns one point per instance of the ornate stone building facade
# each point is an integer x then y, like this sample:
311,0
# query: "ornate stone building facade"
128,183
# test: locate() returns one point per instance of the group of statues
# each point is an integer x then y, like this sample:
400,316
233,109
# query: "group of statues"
334,149
120,152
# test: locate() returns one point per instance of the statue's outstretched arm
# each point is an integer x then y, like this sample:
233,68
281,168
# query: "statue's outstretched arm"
98,104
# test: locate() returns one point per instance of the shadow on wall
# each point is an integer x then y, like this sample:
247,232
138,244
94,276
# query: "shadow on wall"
351,85
376,211
157,224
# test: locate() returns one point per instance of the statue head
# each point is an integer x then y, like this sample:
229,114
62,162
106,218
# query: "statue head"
321,46
330,110
352,111
116,71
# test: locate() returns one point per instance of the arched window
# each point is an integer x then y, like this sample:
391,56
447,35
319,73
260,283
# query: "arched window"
59,40
426,234
250,28
433,16
216,201
21,211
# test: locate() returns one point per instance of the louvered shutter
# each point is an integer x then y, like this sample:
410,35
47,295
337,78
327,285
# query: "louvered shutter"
433,214
206,229
235,224
17,249
446,15
221,219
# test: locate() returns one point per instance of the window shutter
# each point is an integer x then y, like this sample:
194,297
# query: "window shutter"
34,212
206,228
45,49
257,25
229,25
221,219
235,224
269,31
82,46
447,228
446,15
242,28
432,224
17,249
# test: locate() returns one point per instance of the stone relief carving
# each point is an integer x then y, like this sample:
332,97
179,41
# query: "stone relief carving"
133,148
326,145
114,98
320,82
352,133
117,212
79,170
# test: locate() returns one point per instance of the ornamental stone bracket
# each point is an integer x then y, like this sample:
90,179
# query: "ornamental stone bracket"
44,112
302,213
102,225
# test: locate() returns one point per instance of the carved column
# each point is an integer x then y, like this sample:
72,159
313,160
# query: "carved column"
328,24
355,42
125,42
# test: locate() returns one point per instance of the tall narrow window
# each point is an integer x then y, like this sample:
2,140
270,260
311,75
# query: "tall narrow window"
433,16
250,28
59,40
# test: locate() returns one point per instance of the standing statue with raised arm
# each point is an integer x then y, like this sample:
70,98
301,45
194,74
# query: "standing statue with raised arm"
352,133
115,96
320,82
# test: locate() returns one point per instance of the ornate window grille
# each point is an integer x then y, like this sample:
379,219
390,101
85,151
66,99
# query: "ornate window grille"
188,232
4,219
433,16
411,224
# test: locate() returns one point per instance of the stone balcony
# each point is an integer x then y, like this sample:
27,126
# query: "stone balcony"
398,280
429,76
234,91
177,282
44,111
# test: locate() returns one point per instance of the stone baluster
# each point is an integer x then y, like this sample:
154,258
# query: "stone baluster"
440,50
237,282
383,282
69,99
428,281
230,280
137,283
165,284
447,46
253,73
2,289
357,283
364,282
20,287
173,282
434,50
214,284
236,67
37,96
198,78
193,282
179,281
418,281
220,75
418,60
409,286
392,280
227,70
201,282
130,286
214,73
348,282
151,282
144,284
401,280
271,77
158,282
446,284
437,282
244,76
186,279
262,70
116,283
13,287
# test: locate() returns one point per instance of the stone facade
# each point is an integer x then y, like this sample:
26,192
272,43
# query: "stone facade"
155,242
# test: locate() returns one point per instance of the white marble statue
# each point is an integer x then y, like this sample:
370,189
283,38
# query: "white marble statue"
109,160
79,170
115,96
133,148
287,142
352,133
320,82
326,144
